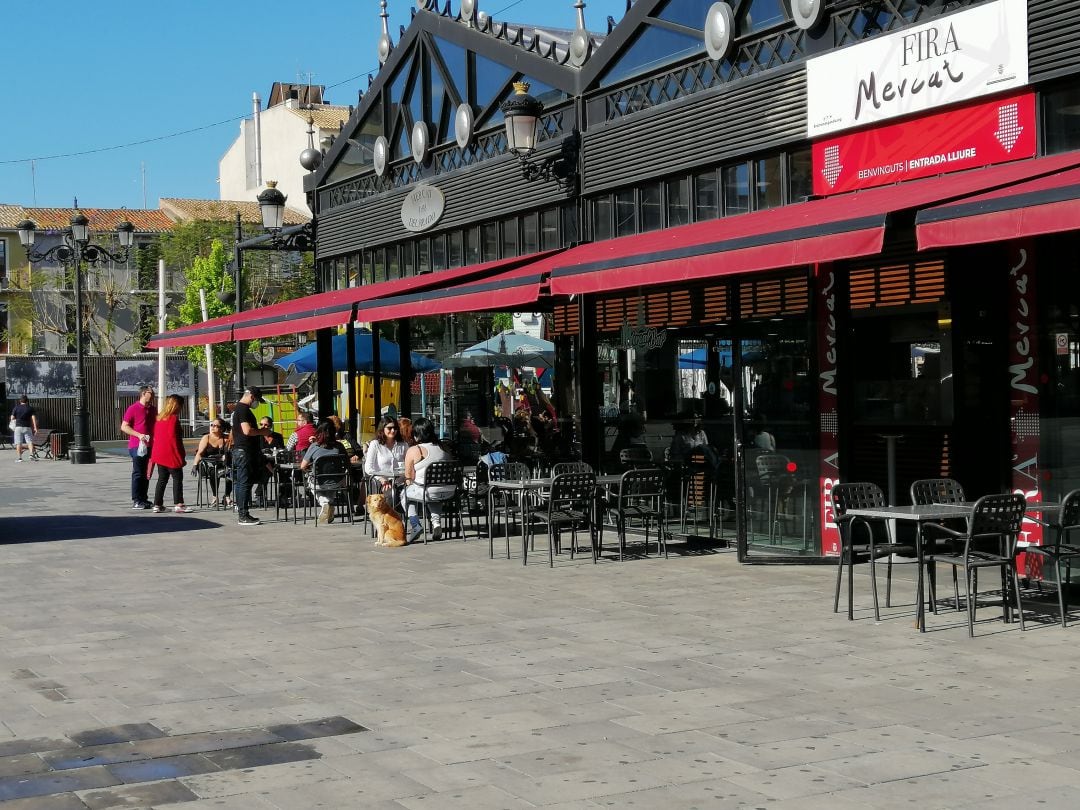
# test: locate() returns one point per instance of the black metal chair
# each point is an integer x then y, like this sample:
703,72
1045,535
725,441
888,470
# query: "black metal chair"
878,543
330,478
503,500
640,499
994,520
938,490
773,477
440,474
1059,552
571,504
563,467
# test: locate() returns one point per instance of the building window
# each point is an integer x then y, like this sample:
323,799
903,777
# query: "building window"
472,245
736,189
530,233
438,252
625,212
490,232
380,265
603,218
408,259
549,229
800,176
652,211
706,196
1061,120
393,262
5,326
3,259
455,249
678,201
509,238
423,256
768,183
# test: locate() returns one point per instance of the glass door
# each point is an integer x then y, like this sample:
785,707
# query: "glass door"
775,423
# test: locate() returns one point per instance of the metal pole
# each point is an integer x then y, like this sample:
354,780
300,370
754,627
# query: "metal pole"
161,328
238,280
81,451
210,392
350,383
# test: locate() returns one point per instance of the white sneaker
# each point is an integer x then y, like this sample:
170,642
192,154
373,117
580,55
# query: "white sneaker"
182,509
18,459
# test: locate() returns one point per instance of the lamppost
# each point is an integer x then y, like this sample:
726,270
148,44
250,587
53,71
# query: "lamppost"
521,116
75,249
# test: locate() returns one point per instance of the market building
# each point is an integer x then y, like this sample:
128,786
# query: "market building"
837,238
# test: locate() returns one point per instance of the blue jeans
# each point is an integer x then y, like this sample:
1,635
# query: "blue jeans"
140,482
241,480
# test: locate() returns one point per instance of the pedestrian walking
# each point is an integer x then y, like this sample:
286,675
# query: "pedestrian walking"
246,452
138,425
168,455
24,420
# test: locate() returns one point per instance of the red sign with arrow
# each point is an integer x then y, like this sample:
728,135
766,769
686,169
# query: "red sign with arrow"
963,138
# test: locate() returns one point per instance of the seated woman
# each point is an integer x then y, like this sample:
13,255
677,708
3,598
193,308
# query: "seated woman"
419,457
385,457
210,459
325,444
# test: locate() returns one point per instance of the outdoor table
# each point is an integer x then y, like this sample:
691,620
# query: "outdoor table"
920,514
525,486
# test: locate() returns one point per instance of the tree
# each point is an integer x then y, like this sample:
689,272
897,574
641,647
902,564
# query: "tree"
211,274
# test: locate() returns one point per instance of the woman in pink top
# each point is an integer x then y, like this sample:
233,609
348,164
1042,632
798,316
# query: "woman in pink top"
168,455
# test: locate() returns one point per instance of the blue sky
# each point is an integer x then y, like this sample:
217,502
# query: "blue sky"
88,77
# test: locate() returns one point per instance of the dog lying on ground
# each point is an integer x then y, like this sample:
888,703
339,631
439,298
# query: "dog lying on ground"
389,528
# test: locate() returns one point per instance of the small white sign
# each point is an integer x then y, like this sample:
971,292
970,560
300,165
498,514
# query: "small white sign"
955,58
422,208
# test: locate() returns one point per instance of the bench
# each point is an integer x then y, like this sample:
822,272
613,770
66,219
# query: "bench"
43,443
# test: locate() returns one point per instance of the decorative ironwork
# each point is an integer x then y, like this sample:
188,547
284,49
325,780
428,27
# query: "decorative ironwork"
561,167
780,48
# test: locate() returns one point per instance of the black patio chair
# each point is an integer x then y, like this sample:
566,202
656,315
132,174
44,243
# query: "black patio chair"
993,528
1058,552
639,500
571,504
504,501
876,541
330,477
441,474
938,490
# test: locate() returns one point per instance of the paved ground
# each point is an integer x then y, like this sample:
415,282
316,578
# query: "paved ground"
166,660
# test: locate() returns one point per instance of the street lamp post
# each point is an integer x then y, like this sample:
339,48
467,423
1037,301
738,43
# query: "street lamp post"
75,249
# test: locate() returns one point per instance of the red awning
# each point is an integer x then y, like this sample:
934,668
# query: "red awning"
1046,205
840,227
327,309
511,289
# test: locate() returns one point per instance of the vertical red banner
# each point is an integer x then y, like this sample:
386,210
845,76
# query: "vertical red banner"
828,466
1024,414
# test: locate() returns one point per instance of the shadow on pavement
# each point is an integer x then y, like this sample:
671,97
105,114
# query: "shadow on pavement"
47,528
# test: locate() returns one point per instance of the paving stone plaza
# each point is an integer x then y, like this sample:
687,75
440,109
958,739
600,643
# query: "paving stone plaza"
179,660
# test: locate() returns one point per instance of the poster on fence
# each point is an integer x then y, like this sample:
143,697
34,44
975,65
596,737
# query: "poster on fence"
131,375
40,379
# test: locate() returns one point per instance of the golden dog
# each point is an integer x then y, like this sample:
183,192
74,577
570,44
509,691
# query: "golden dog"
389,529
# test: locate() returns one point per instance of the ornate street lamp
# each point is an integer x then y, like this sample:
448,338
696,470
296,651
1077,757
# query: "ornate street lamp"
72,252
521,113
272,208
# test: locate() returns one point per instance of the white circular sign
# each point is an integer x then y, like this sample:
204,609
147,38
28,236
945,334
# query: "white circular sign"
422,207
806,13
463,125
380,154
719,30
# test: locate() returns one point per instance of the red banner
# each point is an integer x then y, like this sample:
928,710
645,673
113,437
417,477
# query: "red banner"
964,138
828,466
1025,416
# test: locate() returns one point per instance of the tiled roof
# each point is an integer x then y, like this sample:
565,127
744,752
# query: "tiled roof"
222,211
11,215
325,116
101,219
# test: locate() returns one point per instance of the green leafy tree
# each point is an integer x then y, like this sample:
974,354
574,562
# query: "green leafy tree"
209,273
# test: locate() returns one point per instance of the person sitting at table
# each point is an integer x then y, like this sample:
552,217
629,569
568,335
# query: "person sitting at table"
210,460
385,457
325,444
304,435
405,431
419,457
341,433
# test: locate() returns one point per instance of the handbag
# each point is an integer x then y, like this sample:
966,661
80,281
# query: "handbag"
143,449
11,425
